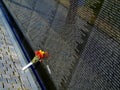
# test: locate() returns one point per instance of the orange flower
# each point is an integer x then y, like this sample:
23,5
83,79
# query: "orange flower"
41,54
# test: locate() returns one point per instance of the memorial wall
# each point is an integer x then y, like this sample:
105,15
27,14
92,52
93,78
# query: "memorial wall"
82,37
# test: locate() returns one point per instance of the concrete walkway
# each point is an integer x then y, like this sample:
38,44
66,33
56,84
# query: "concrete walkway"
11,62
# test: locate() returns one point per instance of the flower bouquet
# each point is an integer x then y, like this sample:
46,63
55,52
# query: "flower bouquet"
39,55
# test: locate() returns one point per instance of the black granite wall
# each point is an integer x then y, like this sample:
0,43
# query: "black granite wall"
98,68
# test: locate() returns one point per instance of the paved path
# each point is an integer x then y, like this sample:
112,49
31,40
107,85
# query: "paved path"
11,62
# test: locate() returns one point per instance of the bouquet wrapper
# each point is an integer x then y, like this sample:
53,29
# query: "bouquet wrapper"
35,60
28,65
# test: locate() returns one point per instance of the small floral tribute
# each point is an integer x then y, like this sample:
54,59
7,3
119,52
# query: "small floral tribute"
39,56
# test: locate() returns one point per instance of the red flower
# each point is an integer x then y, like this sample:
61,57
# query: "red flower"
39,54
46,55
